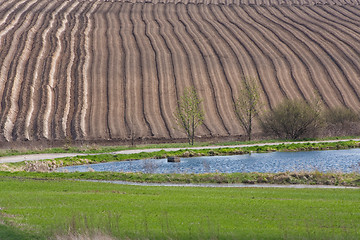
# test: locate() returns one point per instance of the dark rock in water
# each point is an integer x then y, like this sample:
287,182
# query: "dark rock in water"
173,159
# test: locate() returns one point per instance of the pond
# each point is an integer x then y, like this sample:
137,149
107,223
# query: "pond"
324,161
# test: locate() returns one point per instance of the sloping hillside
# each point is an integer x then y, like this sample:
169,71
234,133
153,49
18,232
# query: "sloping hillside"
91,70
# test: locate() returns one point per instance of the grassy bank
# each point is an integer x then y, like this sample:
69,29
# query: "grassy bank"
310,178
38,209
94,148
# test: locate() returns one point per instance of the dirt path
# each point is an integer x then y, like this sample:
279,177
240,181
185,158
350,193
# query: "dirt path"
45,156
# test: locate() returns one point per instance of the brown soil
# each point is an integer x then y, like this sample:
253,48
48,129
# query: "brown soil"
106,71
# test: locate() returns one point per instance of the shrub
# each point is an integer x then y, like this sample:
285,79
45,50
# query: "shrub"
292,119
341,121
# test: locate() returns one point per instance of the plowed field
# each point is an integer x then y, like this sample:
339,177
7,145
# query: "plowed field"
107,70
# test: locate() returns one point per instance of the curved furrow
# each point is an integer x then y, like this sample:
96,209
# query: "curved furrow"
203,82
264,66
24,98
317,69
248,64
228,63
70,78
314,50
45,77
10,15
352,28
352,10
269,51
7,32
147,70
341,12
15,75
218,78
191,53
31,128
282,61
91,67
183,68
63,82
174,49
302,2
237,63
302,74
333,61
339,47
6,9
164,67
133,89
78,92
117,125
149,75
294,70
107,90
61,74
17,103
4,4
344,31
11,53
99,75
322,17
304,71
126,130
85,121
48,124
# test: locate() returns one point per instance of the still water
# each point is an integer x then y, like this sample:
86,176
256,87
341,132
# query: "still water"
324,161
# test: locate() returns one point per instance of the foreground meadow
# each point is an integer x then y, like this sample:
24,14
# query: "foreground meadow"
43,209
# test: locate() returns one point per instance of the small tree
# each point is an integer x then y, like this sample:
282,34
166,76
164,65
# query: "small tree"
189,114
247,105
293,119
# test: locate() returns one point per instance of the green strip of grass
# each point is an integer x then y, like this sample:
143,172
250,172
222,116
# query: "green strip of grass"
93,148
43,209
310,178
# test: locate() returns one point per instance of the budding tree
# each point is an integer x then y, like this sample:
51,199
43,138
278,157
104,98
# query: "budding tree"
189,114
247,104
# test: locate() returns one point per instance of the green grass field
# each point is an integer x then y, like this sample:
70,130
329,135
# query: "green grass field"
41,209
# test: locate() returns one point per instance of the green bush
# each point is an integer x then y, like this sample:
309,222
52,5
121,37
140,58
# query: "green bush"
340,115
293,119
341,121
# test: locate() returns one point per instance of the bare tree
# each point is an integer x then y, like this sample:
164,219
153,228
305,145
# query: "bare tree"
247,105
189,114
